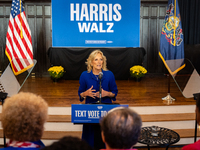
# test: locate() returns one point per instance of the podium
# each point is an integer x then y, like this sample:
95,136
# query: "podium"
90,113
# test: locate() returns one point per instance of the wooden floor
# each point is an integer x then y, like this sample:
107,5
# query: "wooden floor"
147,92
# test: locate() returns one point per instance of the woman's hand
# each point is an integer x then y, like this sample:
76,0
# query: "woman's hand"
105,93
89,92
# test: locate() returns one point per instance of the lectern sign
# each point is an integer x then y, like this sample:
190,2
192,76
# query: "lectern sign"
95,23
90,113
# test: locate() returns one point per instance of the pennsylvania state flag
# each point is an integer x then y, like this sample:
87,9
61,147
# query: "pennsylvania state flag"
171,41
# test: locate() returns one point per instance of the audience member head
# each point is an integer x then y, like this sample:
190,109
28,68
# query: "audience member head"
69,143
91,58
23,117
121,128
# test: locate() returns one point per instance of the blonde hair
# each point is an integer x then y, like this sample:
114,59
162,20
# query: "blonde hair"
23,117
91,58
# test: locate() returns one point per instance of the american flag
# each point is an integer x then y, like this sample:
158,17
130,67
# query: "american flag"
18,40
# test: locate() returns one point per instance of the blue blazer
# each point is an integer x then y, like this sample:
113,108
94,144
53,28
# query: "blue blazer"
87,79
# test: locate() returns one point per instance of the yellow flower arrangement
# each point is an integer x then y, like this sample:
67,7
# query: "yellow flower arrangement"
56,71
137,71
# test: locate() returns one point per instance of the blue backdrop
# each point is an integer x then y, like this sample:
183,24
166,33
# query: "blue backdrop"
96,23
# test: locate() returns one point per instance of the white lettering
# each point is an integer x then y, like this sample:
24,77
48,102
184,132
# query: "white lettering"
76,111
93,11
103,113
93,114
118,16
110,27
103,11
87,27
110,12
95,41
79,113
94,27
84,27
72,12
101,28
84,12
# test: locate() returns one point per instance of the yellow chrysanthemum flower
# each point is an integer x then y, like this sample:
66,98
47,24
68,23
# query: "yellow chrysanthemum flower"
56,71
137,71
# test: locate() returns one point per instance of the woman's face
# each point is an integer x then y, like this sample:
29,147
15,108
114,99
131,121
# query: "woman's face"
97,62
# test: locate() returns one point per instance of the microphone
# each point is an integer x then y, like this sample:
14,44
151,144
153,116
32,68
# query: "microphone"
100,75
100,90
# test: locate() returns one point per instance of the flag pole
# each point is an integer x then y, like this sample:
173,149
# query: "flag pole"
168,97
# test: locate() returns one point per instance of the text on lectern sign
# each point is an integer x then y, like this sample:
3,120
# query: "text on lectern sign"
90,113
95,23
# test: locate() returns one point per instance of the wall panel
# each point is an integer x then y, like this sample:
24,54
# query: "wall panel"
39,16
152,16
4,18
38,13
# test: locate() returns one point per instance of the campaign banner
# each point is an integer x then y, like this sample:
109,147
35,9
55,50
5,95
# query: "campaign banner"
95,23
90,113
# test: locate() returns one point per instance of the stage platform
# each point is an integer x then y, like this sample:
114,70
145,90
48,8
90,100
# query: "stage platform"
148,92
145,97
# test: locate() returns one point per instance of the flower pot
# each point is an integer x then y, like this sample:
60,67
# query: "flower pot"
138,79
55,79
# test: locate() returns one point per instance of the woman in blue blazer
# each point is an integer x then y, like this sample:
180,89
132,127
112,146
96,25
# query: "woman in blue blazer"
89,91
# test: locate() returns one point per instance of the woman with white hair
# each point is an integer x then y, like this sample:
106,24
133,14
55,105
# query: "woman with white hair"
23,117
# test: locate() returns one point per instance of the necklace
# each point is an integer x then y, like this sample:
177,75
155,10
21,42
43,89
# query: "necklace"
96,77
